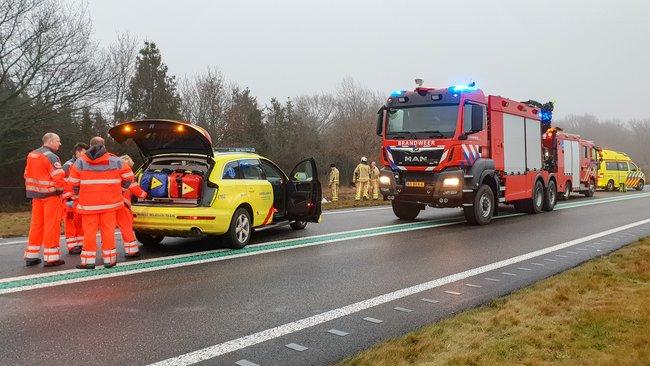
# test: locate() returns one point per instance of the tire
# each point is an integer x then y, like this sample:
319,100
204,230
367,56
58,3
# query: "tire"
483,206
592,189
406,210
610,186
567,191
149,239
550,196
535,204
239,233
640,185
298,225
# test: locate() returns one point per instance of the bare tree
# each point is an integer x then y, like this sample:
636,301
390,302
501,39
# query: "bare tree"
205,99
122,55
48,63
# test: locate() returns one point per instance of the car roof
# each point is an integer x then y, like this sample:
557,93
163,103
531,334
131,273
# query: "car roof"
223,156
615,155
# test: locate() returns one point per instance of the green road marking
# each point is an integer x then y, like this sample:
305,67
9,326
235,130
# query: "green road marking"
71,276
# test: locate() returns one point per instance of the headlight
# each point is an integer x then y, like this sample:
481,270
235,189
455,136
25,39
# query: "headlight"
450,182
384,180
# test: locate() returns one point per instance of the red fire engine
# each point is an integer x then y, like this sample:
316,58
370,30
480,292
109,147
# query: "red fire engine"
573,159
457,147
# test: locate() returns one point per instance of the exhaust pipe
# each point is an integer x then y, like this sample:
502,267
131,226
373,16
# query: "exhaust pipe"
196,231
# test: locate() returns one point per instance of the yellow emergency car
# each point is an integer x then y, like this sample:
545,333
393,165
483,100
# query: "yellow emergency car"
616,168
239,190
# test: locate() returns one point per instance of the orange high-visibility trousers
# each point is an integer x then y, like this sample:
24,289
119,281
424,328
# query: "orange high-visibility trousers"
124,219
74,232
105,222
44,229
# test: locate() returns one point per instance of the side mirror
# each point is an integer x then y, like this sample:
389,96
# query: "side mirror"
380,121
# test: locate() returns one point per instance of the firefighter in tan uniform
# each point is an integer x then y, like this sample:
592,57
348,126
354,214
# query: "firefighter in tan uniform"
334,182
361,178
374,180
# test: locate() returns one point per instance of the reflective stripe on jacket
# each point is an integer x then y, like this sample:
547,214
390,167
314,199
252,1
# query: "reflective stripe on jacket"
44,176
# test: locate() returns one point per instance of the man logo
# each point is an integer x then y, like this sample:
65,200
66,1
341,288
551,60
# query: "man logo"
415,159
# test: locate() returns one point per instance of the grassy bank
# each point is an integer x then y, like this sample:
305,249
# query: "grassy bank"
595,314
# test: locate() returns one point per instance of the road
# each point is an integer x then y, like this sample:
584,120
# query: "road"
307,297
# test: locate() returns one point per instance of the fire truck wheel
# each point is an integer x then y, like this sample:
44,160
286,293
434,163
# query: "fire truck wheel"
148,239
567,191
536,203
610,186
592,188
550,197
406,210
482,210
639,186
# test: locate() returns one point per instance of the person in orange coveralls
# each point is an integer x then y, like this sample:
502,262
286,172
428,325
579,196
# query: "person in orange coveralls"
74,234
98,178
124,216
44,184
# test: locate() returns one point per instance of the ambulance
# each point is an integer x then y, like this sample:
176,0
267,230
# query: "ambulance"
616,168
195,190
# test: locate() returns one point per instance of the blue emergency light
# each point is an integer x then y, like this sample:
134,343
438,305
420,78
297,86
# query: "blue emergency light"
396,93
463,88
545,116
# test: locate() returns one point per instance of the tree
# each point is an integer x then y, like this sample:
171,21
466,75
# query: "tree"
122,55
152,93
205,100
244,127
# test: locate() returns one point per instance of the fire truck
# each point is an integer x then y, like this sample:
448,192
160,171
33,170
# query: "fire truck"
457,147
574,161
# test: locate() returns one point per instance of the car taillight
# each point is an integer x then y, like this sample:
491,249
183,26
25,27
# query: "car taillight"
601,175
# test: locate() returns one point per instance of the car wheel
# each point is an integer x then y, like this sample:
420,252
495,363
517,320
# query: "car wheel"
640,185
239,233
298,225
550,198
610,186
149,239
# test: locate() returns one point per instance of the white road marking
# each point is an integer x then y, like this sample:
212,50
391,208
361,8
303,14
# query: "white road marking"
537,264
453,293
24,241
245,363
523,269
589,246
337,332
492,279
403,310
334,212
430,301
373,320
298,325
550,260
561,256
508,274
582,249
473,285
572,252
296,347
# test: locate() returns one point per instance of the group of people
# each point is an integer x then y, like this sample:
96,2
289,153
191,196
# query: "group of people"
365,179
92,191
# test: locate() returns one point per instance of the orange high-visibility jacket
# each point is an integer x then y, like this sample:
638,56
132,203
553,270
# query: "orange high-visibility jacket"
134,188
44,176
98,178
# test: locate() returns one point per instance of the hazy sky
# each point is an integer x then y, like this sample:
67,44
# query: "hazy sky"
589,56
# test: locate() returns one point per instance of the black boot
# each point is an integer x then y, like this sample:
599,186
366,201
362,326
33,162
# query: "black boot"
109,265
54,263
32,262
76,250
85,266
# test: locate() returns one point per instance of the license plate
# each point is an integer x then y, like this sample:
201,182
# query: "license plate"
415,184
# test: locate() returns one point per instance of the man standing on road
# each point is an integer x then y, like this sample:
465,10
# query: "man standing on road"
334,182
98,178
374,180
44,184
361,178
124,216
74,234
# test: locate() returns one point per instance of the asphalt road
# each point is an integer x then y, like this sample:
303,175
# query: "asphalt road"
307,297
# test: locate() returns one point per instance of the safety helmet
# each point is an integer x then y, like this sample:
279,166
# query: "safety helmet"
364,159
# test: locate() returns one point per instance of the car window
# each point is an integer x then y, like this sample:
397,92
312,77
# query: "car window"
231,171
622,166
611,165
303,172
251,169
272,172
633,167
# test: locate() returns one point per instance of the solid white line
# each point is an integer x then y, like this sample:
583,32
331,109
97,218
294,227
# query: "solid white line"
279,331
334,212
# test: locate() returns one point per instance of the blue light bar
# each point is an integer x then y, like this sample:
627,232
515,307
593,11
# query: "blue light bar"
396,93
463,88
545,116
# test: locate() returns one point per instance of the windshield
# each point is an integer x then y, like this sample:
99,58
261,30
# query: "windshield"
437,121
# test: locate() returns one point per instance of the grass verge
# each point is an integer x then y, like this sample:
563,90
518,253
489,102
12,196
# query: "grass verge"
594,314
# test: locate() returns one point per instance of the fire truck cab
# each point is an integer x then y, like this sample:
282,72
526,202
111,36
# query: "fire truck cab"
573,159
457,147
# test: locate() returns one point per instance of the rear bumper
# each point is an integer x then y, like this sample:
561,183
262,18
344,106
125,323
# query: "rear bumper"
180,221
434,192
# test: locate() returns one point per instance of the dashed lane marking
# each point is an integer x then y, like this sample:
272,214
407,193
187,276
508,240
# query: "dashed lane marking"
373,320
537,264
453,293
296,347
473,285
492,279
403,310
550,260
337,332
245,363
208,353
508,274
430,301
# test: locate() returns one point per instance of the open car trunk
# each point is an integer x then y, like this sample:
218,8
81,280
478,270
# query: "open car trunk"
176,180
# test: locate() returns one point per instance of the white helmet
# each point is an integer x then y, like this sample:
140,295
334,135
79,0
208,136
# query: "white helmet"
364,159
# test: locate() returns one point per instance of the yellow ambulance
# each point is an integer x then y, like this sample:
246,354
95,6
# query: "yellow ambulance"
616,168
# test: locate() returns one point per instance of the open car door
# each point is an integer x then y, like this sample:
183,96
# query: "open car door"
304,193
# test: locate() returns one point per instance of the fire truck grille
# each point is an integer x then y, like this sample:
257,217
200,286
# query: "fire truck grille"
424,157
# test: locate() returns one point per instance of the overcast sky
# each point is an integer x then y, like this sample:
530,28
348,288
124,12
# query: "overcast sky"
588,56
